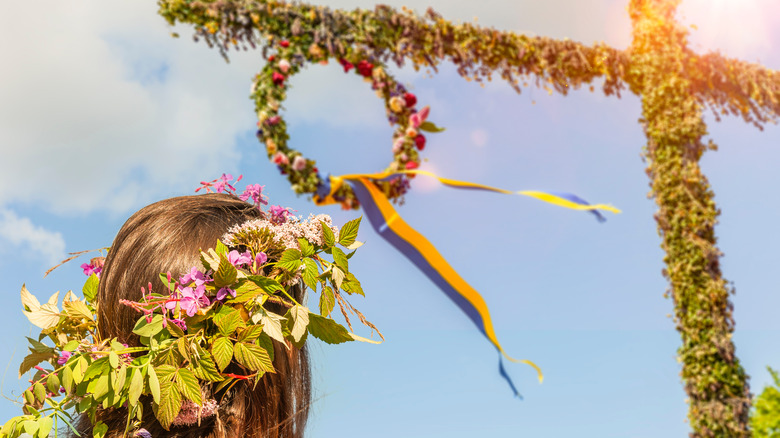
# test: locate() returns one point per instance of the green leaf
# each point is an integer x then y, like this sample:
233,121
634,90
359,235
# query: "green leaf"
340,259
251,333
327,301
188,386
170,404
310,274
430,127
136,386
265,342
39,392
118,379
71,346
228,322
222,350
327,330
44,426
221,248
226,273
79,369
328,238
164,280
29,397
99,430
30,426
67,379
165,373
253,357
148,329
351,285
154,384
90,288
298,316
349,231
33,359
253,286
272,324
290,260
99,387
307,249
96,368
53,383
113,359
77,309
204,368
337,275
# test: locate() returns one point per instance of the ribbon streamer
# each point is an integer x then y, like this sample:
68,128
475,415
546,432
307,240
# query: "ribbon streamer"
561,199
388,224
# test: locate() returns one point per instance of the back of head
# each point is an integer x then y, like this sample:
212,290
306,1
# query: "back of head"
167,236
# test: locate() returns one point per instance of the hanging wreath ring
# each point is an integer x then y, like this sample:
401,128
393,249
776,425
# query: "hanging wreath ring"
269,90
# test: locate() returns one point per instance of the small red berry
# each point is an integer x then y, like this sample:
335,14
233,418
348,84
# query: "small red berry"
419,141
411,165
284,43
410,99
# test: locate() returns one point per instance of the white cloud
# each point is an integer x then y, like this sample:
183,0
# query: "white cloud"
100,99
21,232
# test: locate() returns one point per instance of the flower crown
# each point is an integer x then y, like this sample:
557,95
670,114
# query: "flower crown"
216,315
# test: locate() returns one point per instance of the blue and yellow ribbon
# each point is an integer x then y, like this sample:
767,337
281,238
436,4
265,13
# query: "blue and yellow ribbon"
388,224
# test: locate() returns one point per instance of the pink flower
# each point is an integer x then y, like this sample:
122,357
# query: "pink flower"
194,275
223,183
191,300
278,78
419,117
261,258
284,65
273,120
64,356
299,163
237,259
254,191
410,99
279,214
90,269
419,141
222,293
281,159
179,323
411,165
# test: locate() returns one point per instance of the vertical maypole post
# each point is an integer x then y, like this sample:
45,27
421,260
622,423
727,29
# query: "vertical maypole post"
661,69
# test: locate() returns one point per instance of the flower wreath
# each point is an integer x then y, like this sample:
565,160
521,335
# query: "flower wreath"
202,321
269,89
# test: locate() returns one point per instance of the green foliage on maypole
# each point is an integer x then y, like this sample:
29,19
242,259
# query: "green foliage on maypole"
715,381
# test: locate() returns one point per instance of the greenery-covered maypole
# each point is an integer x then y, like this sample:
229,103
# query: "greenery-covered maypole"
675,85
715,381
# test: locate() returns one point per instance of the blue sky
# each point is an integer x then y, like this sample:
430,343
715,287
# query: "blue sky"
102,113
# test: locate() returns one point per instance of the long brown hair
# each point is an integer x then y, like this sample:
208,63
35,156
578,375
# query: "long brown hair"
166,237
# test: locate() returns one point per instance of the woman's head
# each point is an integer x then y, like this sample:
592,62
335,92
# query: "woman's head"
167,236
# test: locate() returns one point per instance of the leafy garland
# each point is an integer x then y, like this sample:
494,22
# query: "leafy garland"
205,320
270,88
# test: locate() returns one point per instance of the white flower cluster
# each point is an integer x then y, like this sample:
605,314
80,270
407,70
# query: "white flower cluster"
288,232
